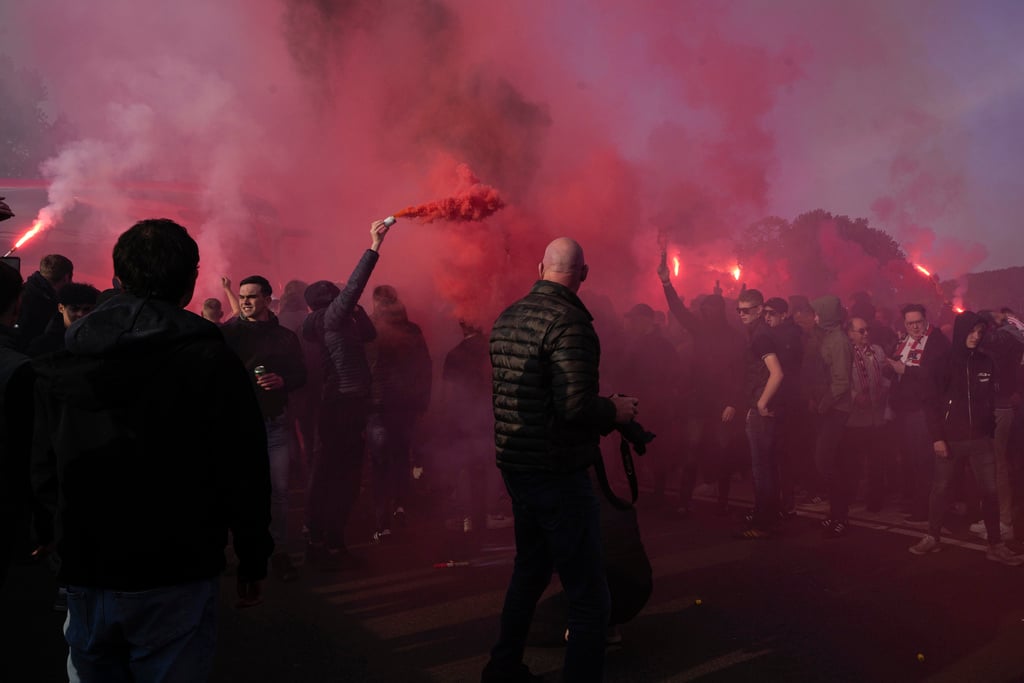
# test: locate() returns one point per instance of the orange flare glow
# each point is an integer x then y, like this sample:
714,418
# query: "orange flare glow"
36,228
958,309
736,272
921,269
675,265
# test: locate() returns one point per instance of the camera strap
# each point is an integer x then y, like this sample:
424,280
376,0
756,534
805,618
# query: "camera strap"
627,464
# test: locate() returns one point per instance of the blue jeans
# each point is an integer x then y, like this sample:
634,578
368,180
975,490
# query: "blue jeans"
161,635
278,449
557,527
761,434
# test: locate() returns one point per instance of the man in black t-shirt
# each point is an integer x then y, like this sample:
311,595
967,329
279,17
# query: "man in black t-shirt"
764,379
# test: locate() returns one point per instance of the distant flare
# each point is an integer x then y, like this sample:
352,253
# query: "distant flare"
736,272
675,266
921,269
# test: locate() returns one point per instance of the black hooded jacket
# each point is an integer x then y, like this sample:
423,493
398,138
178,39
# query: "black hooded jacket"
276,348
967,406
150,445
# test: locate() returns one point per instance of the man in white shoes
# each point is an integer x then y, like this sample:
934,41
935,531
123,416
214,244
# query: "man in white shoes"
962,425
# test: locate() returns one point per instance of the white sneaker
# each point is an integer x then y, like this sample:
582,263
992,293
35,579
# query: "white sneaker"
928,544
978,529
1003,555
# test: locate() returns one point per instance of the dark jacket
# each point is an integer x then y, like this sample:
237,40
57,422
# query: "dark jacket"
918,387
1005,349
400,364
16,381
38,308
762,343
832,384
51,340
274,347
966,408
466,377
150,445
545,356
343,329
718,357
789,347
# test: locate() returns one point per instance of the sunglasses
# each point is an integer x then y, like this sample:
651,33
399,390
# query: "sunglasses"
747,310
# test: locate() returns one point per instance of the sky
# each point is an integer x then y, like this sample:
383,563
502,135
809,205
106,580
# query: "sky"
626,125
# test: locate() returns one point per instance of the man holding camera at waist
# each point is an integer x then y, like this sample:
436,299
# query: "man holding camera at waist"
549,420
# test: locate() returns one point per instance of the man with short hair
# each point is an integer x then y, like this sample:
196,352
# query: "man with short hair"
764,380
918,362
272,355
145,498
549,418
866,440
39,299
74,301
213,310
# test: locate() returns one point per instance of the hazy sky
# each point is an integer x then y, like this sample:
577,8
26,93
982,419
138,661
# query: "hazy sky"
613,121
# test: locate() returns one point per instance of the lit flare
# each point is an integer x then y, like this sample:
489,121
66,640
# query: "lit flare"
921,269
675,266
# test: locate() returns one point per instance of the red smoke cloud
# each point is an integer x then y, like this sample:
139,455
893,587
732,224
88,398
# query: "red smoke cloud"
472,201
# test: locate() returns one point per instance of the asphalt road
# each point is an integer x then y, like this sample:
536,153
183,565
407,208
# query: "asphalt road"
794,608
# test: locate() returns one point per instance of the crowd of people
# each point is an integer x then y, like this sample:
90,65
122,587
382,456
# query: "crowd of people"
105,400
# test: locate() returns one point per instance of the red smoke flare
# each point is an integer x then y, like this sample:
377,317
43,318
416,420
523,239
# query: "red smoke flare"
473,201
921,269
675,266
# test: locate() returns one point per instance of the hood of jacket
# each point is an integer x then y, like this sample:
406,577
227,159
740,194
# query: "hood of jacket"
962,326
829,311
126,321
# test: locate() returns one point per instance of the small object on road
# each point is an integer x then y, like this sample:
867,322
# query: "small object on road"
451,563
698,602
920,657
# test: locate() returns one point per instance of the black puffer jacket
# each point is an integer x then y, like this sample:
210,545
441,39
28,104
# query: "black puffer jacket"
343,329
967,407
545,357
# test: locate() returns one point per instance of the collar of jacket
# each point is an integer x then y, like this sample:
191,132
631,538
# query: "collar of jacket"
549,288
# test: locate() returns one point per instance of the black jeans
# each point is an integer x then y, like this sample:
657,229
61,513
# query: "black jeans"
557,527
337,470
833,465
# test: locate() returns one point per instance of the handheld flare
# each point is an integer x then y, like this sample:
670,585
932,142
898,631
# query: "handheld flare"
390,220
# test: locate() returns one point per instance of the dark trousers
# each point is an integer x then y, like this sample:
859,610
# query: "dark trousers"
763,468
834,467
389,438
918,460
981,455
557,527
337,470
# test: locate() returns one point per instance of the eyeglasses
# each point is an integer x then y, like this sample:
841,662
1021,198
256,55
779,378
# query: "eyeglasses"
922,321
747,310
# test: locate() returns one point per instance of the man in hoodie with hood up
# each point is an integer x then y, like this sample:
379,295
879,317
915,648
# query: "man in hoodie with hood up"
144,498
833,401
962,424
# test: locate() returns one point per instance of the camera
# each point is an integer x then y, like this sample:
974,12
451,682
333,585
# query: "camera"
636,435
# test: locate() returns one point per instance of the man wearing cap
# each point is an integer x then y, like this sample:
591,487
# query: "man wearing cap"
342,329
790,349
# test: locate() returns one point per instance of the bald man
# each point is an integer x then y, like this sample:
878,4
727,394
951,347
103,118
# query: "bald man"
549,419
